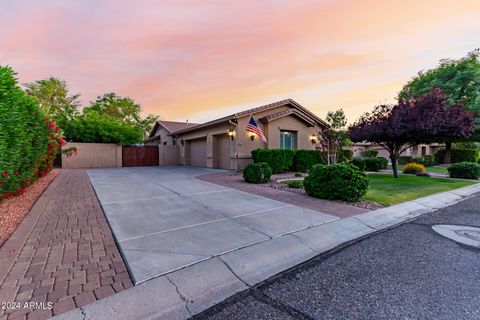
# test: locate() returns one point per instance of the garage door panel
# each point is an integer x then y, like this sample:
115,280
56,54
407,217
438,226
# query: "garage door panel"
221,152
197,153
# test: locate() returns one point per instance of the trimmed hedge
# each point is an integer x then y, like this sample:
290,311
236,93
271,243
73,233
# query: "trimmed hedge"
404,160
375,164
342,181
303,160
426,160
281,160
28,140
465,170
459,155
370,153
359,163
257,173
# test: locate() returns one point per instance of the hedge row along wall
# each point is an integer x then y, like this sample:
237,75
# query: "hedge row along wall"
281,160
29,140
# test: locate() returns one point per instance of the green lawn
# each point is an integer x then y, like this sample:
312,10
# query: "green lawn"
427,169
385,189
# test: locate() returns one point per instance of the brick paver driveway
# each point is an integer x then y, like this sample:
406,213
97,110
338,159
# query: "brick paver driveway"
164,219
62,253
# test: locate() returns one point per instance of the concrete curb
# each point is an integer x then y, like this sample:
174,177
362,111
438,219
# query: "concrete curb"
191,290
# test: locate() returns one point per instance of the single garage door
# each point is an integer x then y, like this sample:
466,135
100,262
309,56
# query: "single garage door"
221,151
197,152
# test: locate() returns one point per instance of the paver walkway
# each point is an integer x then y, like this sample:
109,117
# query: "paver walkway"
235,181
63,252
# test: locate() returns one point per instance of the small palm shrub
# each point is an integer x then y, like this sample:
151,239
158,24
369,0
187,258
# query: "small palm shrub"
257,173
413,168
464,170
342,181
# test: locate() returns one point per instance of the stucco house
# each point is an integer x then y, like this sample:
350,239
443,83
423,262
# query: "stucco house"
225,143
415,151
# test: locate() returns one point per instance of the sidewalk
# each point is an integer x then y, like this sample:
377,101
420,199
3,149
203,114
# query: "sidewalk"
63,252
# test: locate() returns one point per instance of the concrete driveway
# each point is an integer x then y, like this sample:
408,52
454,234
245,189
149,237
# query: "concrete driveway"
164,219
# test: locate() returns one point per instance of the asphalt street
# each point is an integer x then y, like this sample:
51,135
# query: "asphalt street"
409,272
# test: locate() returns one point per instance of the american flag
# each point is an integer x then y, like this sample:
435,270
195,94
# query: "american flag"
253,127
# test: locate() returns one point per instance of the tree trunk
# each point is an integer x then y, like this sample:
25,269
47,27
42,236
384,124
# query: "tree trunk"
393,158
448,153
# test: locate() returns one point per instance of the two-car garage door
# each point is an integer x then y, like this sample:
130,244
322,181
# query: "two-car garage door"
196,152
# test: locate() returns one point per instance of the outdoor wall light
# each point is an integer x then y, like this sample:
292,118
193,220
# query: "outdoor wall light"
252,135
313,139
182,142
231,134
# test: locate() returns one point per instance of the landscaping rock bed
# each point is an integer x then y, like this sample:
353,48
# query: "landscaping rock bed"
276,184
13,211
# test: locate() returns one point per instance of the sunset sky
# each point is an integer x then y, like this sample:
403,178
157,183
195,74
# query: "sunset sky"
204,59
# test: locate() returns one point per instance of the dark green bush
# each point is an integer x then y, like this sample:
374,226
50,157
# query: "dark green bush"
342,181
295,184
459,155
257,173
404,160
303,160
344,155
427,160
96,128
298,174
24,136
359,163
279,160
370,153
375,164
465,170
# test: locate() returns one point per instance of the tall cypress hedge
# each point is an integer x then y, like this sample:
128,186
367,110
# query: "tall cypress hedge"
24,136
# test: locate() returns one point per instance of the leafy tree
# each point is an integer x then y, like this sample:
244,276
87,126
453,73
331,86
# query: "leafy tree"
459,79
123,109
424,119
97,128
54,98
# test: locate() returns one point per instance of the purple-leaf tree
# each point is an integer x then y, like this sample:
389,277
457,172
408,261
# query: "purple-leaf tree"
423,119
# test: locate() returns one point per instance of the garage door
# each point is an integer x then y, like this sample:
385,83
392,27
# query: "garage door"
197,152
221,152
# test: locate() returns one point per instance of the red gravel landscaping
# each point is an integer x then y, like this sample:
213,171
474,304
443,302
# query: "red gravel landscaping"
13,211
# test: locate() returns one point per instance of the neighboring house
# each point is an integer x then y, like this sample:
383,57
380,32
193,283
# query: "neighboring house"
224,143
160,134
416,151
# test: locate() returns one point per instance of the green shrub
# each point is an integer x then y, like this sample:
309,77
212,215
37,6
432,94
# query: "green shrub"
359,163
344,155
413,168
342,181
465,170
298,174
24,137
295,184
370,153
459,155
279,160
375,164
427,160
404,160
303,160
257,173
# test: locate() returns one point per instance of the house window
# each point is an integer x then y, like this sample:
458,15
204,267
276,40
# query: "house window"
174,142
288,139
